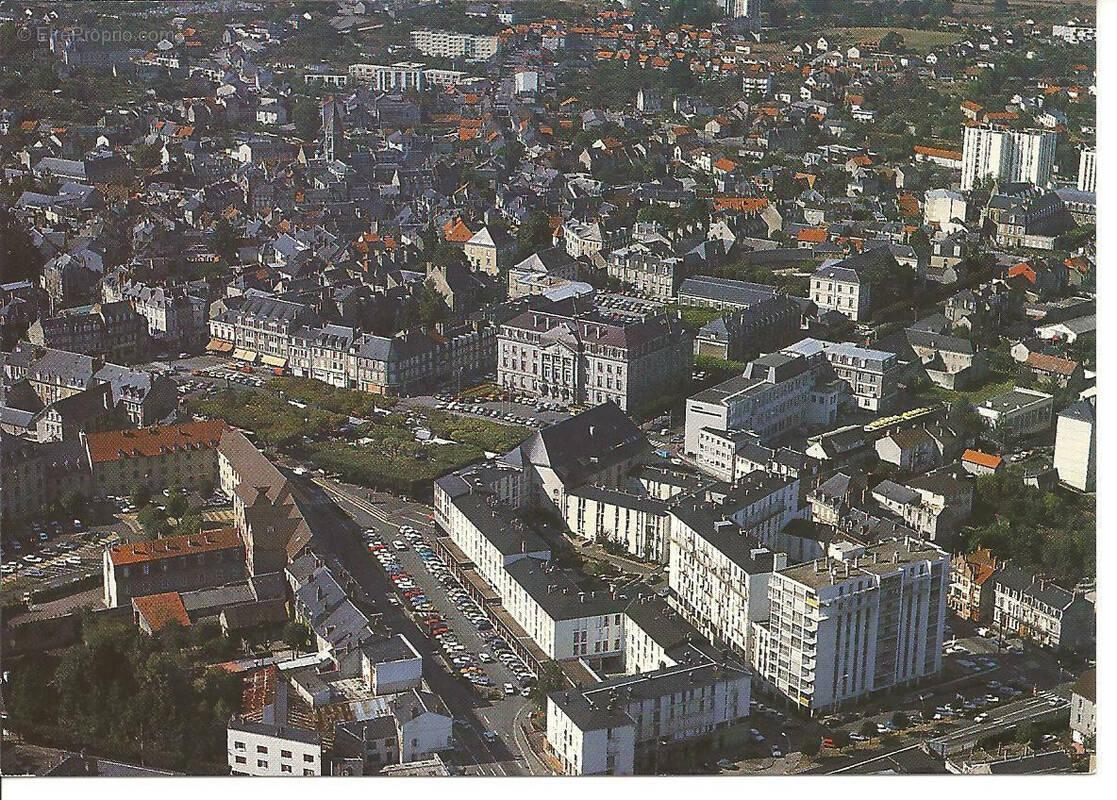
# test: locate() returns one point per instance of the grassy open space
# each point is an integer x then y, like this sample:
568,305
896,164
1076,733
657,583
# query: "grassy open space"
915,39
975,396
381,454
330,398
273,420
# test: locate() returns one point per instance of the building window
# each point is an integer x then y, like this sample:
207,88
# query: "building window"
285,753
285,767
261,749
261,763
308,758
238,745
308,772
241,759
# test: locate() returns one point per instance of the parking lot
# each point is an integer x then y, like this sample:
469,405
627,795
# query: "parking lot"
64,555
534,415
496,719
469,647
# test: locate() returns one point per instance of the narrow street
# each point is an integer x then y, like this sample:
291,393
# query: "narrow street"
344,513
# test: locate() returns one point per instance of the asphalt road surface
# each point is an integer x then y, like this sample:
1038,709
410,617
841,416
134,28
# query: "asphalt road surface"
344,513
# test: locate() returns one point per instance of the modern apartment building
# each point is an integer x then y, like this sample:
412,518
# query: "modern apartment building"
1076,446
593,357
636,521
1002,154
1088,169
452,44
403,76
718,573
770,398
842,629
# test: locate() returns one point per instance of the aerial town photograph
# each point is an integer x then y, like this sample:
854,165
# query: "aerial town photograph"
541,388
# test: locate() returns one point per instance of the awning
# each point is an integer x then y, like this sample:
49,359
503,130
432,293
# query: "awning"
245,355
274,361
219,346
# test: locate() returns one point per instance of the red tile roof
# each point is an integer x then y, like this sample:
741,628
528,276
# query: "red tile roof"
937,152
982,459
114,445
740,203
811,235
1046,363
160,609
173,547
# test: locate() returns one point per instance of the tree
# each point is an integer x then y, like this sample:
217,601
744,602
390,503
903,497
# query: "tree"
891,42
900,720
840,738
148,157
1025,733
868,729
811,745
154,521
205,487
550,680
296,634
307,118
140,496
225,241
432,308
19,258
177,504
71,502
534,234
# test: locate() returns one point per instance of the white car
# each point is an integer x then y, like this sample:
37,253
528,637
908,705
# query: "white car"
509,689
399,545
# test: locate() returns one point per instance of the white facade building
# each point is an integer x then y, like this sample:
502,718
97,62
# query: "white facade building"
1076,446
1088,169
718,579
945,208
627,723
452,44
1017,156
844,628
271,750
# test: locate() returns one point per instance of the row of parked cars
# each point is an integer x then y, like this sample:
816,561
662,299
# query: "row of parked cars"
42,533
480,410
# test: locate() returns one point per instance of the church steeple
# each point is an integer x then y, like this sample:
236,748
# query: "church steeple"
333,133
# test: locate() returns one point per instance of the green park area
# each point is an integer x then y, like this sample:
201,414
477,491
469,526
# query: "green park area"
310,422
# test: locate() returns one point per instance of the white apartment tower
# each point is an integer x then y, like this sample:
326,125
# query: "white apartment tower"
1088,169
743,9
1025,156
842,628
1076,446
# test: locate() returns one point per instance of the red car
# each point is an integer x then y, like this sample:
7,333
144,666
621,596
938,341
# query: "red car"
828,742
411,593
